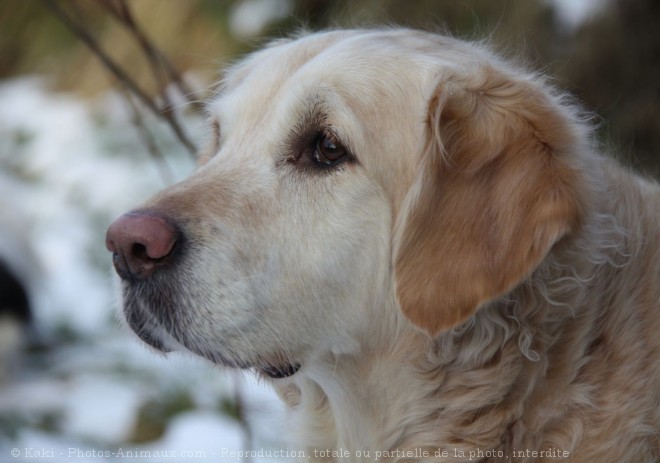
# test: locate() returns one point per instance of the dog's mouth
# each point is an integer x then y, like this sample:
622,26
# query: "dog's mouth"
147,330
151,330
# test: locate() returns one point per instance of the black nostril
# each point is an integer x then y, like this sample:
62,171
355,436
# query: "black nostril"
139,251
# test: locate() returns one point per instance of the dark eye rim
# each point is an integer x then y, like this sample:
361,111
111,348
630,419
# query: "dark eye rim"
329,150
299,148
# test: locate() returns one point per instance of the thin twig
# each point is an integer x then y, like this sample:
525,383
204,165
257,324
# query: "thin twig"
147,138
119,73
157,59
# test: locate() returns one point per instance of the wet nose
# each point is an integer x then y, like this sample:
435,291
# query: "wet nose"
140,242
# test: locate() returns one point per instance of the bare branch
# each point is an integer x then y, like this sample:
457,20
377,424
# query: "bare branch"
157,59
148,139
80,32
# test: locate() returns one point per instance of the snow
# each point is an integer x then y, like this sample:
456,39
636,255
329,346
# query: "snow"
68,167
572,13
87,416
201,432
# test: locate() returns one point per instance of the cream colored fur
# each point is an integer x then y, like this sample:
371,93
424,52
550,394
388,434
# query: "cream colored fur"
476,279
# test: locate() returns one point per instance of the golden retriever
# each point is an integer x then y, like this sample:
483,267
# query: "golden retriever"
417,243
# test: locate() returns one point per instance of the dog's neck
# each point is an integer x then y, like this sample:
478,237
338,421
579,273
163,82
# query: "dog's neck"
354,399
416,395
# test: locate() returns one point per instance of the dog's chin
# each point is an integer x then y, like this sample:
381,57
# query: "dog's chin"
148,330
268,369
155,335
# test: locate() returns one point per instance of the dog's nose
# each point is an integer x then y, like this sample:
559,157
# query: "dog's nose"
140,242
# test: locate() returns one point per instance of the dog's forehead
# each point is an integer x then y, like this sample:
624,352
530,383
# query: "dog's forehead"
328,53
358,65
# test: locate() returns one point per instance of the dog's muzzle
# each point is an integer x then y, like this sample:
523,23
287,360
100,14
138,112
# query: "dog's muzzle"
144,246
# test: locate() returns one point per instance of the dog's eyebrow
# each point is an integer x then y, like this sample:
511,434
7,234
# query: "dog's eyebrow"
312,120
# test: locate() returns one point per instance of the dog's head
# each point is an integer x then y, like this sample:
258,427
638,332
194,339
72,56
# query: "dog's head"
354,175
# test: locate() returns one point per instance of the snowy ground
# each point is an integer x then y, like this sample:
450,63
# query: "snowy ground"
92,391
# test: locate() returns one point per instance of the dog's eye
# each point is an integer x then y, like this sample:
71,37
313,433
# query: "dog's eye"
328,150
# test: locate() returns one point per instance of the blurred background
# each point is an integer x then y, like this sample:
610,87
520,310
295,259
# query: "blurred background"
100,107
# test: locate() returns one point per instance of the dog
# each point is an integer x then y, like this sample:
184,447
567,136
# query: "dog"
418,244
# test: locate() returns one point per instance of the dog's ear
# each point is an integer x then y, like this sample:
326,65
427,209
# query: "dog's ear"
493,192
